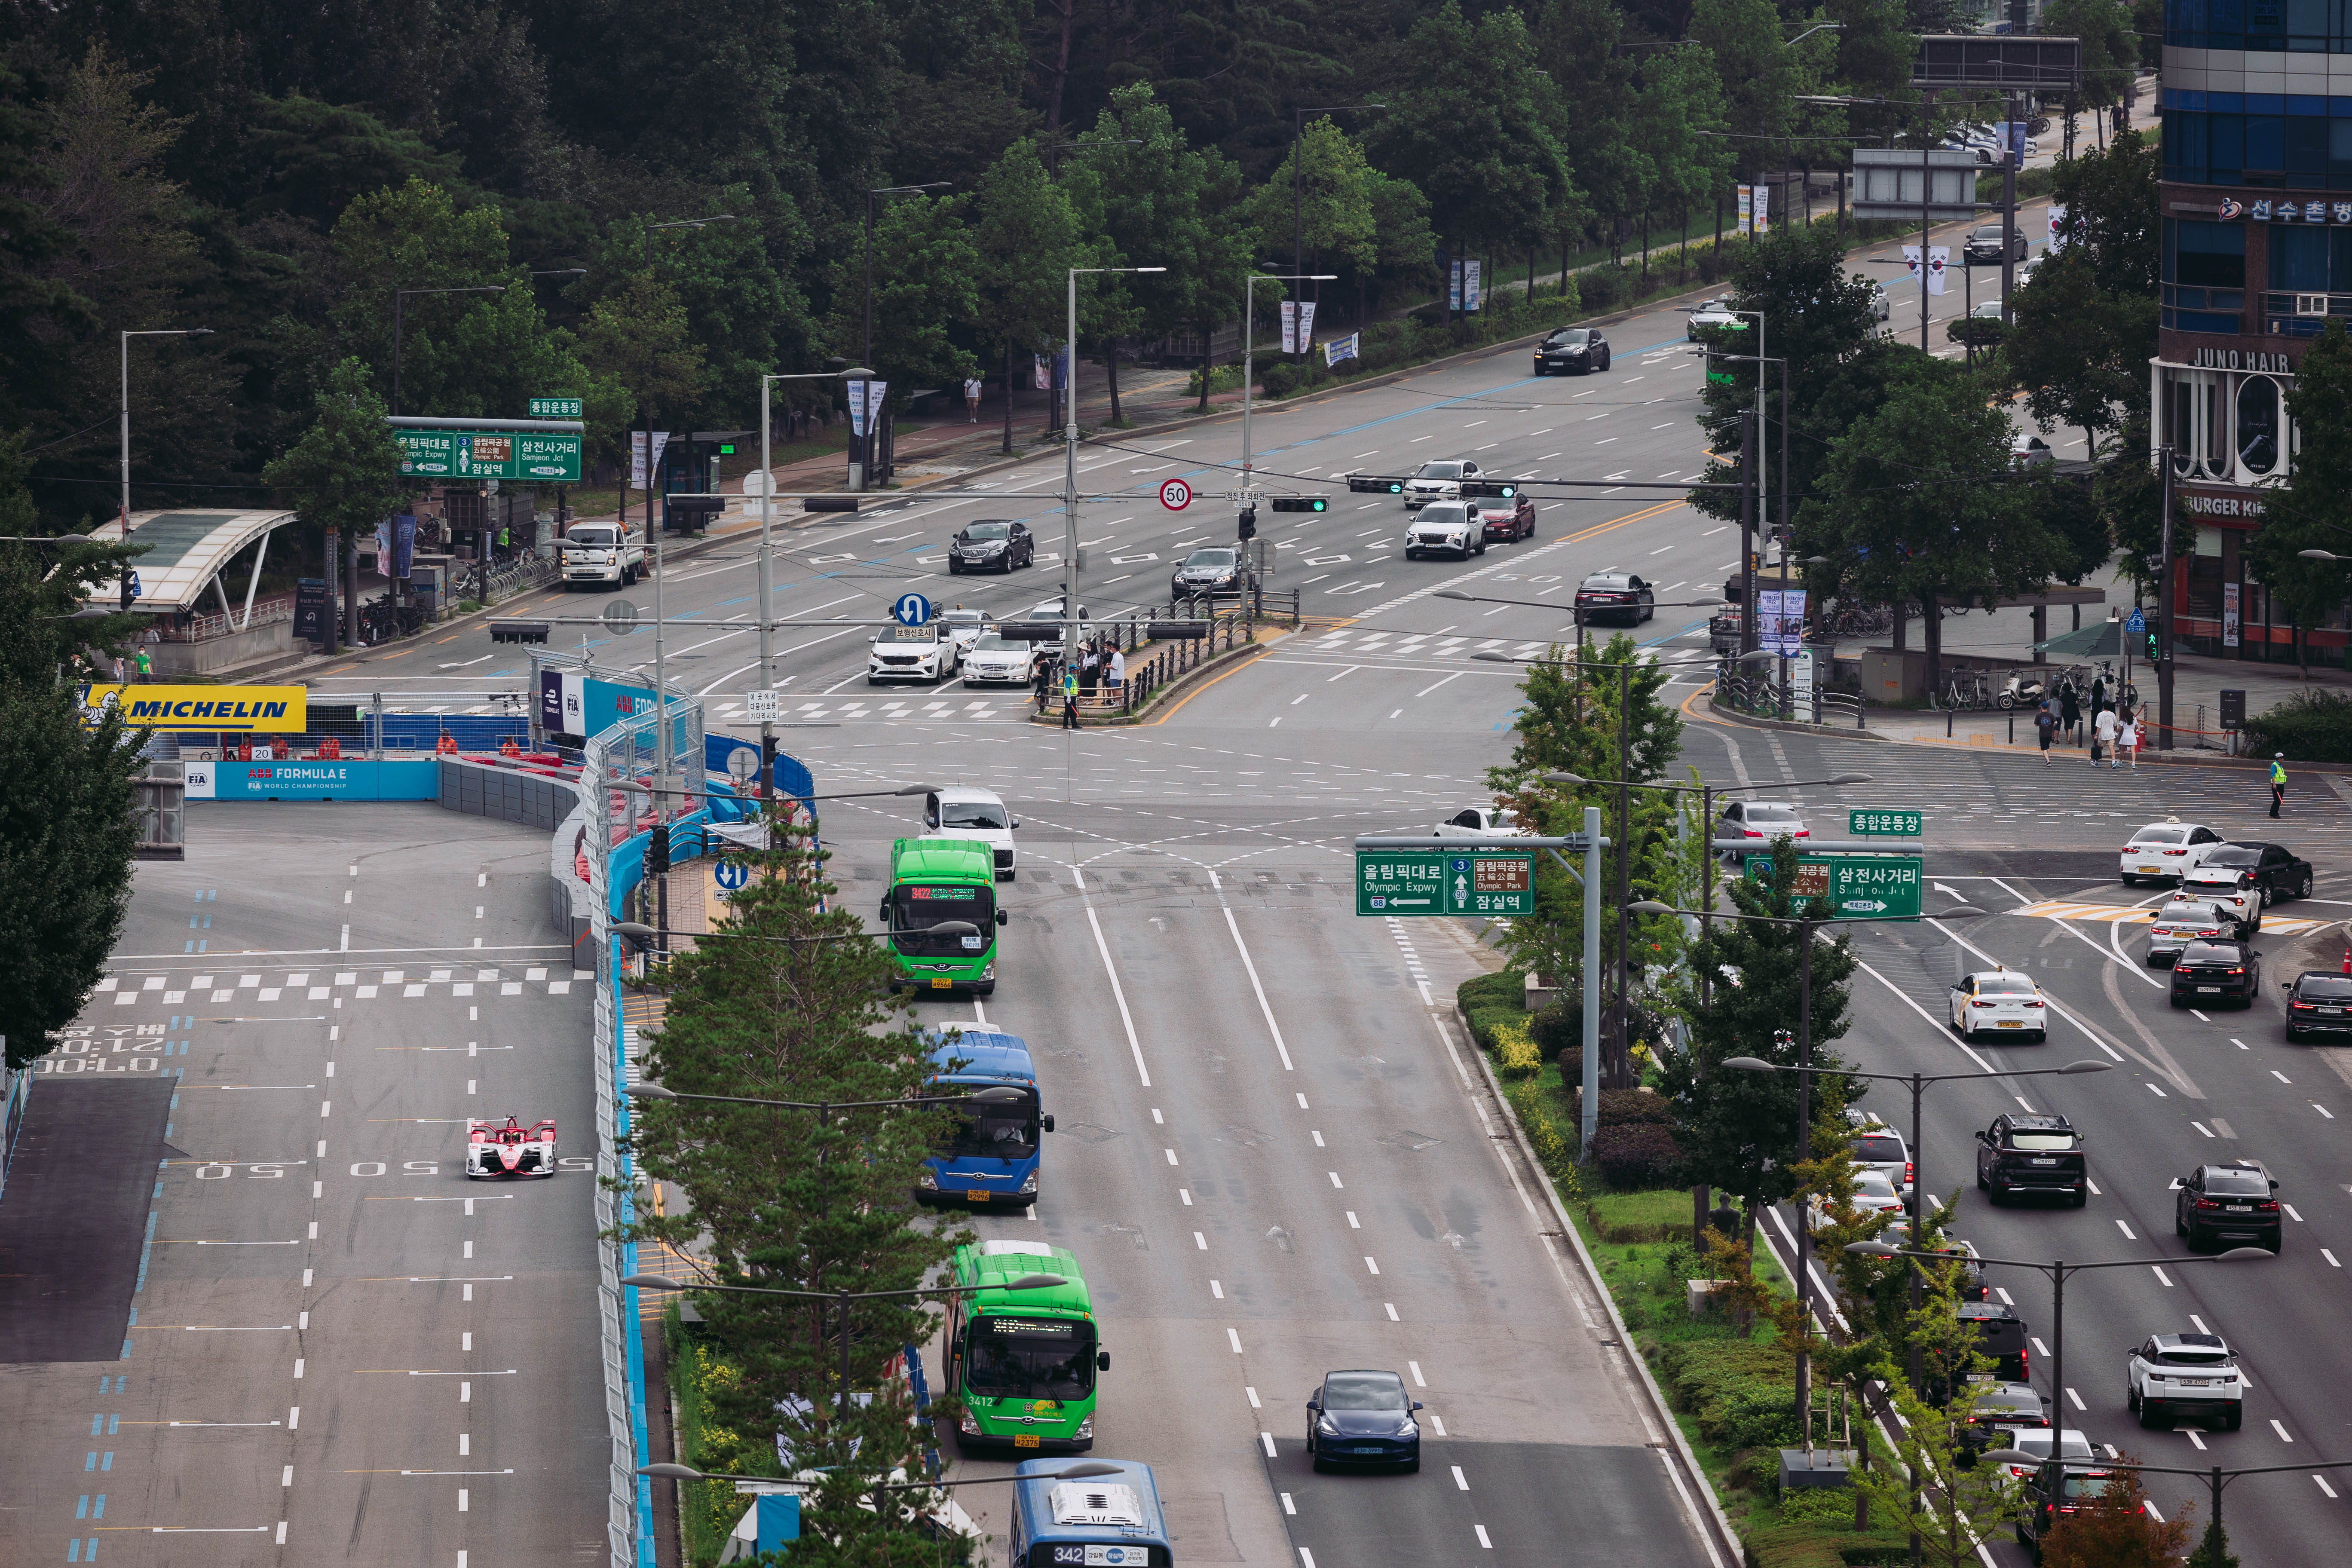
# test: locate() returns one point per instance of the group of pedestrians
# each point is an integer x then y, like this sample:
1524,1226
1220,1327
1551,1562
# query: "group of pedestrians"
1100,665
2115,728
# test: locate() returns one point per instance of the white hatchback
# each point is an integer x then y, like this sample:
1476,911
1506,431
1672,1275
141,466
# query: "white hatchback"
2168,850
2000,1002
968,811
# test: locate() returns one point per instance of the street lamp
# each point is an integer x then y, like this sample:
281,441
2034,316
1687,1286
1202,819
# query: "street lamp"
2056,1273
865,447
843,1298
158,332
1804,925
398,333
1070,461
1249,361
1297,134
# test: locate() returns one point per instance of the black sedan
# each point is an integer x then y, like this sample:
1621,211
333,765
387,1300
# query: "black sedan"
2318,1002
2237,1202
1572,351
2214,970
991,544
2276,869
1364,1418
1617,595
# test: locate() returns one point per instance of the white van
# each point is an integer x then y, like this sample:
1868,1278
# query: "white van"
967,811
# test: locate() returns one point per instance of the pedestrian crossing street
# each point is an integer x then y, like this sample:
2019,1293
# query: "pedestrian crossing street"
963,710
320,985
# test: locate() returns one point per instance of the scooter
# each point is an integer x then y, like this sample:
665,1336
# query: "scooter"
2019,693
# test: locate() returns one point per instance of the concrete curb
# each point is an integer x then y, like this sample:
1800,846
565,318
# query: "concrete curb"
1727,1539
1219,663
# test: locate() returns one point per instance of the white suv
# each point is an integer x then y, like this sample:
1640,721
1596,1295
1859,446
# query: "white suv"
2182,1375
1448,526
910,653
2233,894
2168,850
1437,481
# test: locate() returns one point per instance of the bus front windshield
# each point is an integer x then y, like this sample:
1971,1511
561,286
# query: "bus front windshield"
995,1132
1031,1358
914,911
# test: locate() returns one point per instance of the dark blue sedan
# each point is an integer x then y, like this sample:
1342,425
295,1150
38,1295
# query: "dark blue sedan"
1364,1418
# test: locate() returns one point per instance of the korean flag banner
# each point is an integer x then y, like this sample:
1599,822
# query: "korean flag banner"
1937,260
2057,228
1911,261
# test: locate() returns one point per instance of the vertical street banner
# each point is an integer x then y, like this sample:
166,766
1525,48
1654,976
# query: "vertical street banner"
403,544
856,390
2057,240
1043,378
1454,286
1747,197
2229,615
1780,620
1339,349
1938,258
1911,261
1305,325
1289,326
1470,294
638,456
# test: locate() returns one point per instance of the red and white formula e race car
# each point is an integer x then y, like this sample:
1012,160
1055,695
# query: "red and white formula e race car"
512,1149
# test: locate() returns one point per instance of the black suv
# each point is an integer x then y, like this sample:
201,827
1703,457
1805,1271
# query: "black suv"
1572,351
2000,1334
2236,1202
2045,1507
2020,1154
2213,970
2318,1001
1997,1410
2274,868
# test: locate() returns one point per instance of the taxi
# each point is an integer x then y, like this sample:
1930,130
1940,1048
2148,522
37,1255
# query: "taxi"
1999,1002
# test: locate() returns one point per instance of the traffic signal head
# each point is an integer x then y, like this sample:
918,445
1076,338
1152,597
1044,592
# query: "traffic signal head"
1299,503
2153,653
1249,522
657,851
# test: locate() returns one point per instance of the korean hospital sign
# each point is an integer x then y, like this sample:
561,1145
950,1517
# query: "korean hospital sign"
1430,882
1858,886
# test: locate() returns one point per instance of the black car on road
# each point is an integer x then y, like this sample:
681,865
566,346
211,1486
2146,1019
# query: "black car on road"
1208,572
2020,1155
1363,1417
2318,1002
1615,595
2275,870
991,544
2216,969
2046,1505
1572,351
2000,1334
1983,246
2235,1203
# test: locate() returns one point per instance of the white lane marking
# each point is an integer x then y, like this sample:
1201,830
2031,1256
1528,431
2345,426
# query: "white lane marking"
2284,1436
2161,1275
1172,1160
1235,1339
1333,1174
2119,1225
1255,984
1482,1537
1267,1438
1199,1241
1372,1265
1418,1380
1393,1311
1252,1397
1458,1480
1291,1508
2077,1399
1118,993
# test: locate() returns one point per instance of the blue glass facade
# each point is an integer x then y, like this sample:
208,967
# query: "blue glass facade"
2264,139
2263,27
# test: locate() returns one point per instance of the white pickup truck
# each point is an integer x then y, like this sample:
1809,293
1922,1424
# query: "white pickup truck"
603,553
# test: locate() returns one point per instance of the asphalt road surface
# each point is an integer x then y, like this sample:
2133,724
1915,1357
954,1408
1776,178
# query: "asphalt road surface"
340,1349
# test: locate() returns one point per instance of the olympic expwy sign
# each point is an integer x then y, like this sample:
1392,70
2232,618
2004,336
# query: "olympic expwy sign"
247,710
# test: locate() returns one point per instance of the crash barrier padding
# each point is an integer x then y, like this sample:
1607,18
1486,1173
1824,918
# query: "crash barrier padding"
480,789
792,776
349,778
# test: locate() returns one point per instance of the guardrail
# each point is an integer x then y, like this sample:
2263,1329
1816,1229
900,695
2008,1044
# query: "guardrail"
206,628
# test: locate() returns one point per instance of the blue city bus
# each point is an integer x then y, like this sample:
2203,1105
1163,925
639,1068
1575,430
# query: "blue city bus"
1102,1521
991,1162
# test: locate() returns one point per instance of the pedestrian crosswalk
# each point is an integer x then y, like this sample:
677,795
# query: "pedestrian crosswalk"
1358,641
170,989
961,711
2134,914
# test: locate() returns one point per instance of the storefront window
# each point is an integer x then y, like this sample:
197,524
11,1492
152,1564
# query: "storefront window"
2258,424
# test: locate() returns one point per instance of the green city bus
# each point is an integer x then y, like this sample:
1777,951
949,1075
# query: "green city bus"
934,881
1023,1363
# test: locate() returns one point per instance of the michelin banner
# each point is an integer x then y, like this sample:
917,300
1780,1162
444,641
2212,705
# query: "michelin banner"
245,709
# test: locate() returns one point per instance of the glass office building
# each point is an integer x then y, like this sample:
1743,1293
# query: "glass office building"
2257,236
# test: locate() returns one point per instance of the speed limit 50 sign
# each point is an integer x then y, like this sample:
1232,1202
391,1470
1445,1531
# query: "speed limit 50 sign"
1175,495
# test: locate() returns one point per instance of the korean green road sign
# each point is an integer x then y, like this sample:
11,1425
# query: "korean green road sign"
1430,882
1879,823
1859,886
555,408
502,455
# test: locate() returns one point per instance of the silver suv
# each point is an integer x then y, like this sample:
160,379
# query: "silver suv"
1879,1147
1446,526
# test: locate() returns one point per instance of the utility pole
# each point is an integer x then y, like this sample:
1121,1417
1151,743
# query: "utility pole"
2164,656
1070,466
1748,442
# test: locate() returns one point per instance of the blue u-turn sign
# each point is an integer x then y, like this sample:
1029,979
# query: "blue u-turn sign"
912,610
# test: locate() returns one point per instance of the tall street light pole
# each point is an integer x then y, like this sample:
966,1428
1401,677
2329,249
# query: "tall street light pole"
1070,464
1298,158
157,332
767,556
1249,370
653,535
1804,924
866,442
398,334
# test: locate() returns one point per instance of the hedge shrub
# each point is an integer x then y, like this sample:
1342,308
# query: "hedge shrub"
1631,1107
2311,726
1822,1545
1514,1052
1492,1002
1738,1392
1633,1157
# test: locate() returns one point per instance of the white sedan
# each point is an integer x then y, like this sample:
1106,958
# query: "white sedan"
1872,1194
965,627
2169,850
992,660
1481,822
2000,1002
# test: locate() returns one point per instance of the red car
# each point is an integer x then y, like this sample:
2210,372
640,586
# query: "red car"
1509,519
